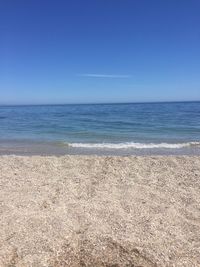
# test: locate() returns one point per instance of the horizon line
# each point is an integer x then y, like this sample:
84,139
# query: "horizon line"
100,103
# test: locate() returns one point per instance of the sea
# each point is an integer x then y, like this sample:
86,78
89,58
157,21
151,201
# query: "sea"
170,128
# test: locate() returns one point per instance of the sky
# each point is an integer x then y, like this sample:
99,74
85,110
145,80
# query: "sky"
99,51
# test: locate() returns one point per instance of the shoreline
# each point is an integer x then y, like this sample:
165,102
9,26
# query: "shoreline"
99,211
57,148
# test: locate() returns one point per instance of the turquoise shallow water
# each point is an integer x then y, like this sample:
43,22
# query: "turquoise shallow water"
126,128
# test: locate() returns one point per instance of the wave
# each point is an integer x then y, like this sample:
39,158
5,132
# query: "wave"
133,145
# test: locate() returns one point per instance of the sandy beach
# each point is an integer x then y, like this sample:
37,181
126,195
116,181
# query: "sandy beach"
99,211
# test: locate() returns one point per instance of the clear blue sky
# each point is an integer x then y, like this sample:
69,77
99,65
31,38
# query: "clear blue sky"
82,51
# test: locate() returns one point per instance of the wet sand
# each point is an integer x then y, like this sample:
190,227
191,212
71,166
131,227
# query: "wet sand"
97,211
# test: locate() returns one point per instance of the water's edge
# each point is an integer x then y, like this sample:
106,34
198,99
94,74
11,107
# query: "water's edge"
24,147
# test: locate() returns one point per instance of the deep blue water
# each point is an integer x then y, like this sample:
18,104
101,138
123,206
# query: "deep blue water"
133,126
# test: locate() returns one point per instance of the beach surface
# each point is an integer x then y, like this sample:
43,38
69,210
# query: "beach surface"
99,211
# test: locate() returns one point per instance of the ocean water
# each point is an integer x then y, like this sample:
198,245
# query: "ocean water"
138,128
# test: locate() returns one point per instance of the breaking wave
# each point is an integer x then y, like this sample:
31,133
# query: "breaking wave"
133,145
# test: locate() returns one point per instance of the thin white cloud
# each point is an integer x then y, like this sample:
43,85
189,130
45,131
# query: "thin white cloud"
97,75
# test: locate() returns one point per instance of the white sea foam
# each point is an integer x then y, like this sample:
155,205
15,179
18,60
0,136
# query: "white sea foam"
132,145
